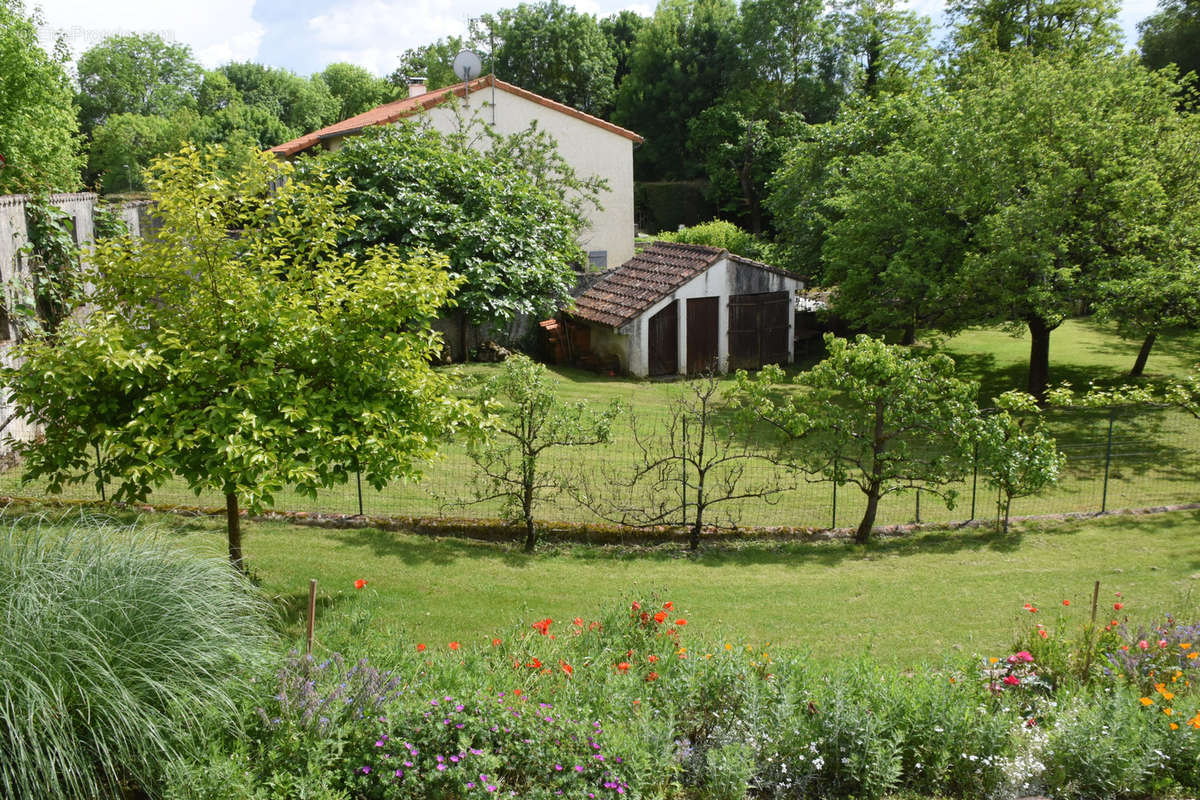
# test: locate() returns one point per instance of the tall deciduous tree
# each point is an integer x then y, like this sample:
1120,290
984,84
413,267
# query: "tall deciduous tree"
125,144
684,60
889,47
1084,27
355,89
238,350
1171,35
1020,191
511,240
621,31
301,104
38,125
529,421
136,74
553,50
433,62
872,415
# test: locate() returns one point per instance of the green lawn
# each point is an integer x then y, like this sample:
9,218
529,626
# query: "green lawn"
904,600
1154,458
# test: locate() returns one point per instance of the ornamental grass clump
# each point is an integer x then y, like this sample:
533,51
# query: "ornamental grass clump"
116,651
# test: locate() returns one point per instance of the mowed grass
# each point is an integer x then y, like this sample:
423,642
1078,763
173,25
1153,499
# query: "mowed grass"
1154,457
903,600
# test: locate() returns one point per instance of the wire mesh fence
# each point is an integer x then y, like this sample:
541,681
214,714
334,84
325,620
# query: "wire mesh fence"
1130,457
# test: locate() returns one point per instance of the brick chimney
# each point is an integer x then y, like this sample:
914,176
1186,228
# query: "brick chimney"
416,86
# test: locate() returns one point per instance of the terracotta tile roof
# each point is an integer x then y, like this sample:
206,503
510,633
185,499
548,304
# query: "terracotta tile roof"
405,107
642,281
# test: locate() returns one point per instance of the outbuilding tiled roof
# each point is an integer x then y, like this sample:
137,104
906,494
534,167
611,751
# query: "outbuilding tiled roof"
643,280
406,107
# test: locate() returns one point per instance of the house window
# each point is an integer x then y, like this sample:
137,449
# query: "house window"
598,259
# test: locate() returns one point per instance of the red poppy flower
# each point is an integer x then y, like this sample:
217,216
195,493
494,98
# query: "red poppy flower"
1066,602
516,692
542,626
455,645
535,664
1118,606
360,583
623,666
1011,680
420,648
653,658
496,642
578,622
653,676
660,616
668,605
645,616
681,622
636,606
566,667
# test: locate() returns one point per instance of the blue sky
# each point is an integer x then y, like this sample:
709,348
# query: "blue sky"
306,35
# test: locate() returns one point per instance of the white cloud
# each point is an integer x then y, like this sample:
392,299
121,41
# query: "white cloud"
217,30
372,33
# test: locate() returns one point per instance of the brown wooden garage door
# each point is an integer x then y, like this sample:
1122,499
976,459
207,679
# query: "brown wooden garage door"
664,341
758,329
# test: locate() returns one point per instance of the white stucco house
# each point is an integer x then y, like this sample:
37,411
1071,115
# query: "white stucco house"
592,146
682,309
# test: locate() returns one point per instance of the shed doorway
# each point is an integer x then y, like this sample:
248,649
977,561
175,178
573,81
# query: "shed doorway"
758,329
663,345
702,326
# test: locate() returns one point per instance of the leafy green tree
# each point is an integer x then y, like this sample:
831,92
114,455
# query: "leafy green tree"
136,74
356,89
789,61
1086,27
621,31
1171,35
553,50
433,62
1009,202
124,145
512,241
888,46
529,421
1015,454
683,62
872,415
38,125
216,93
240,127
301,104
240,363
740,153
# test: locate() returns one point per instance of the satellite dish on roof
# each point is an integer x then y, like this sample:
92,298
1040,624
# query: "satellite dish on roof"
467,65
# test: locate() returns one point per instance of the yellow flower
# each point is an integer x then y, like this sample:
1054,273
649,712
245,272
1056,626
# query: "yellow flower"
1184,645
993,660
1160,687
1168,711
1193,654
681,651
1168,695
1174,727
1146,701
749,649
728,646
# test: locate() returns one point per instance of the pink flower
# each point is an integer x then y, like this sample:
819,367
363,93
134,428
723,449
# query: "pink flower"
1144,644
1012,680
1023,657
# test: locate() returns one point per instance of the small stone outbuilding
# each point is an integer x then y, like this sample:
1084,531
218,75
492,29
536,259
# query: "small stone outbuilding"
685,309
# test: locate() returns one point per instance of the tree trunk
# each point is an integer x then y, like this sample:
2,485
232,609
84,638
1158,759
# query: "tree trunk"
530,534
908,335
863,534
1039,357
462,337
233,525
1143,355
1007,512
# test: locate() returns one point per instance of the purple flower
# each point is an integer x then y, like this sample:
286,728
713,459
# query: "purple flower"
399,773
578,768
365,769
441,767
558,767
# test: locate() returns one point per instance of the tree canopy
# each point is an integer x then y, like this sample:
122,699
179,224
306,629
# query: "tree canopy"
239,350
1171,35
38,129
136,74
511,240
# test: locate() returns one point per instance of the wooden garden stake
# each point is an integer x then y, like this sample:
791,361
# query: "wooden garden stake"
1095,600
1091,631
312,614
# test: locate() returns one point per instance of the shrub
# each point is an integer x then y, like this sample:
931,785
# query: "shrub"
114,649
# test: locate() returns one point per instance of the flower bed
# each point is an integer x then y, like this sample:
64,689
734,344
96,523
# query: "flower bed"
636,704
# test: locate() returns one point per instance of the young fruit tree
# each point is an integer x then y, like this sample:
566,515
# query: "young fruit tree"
872,415
529,419
238,350
687,465
1016,456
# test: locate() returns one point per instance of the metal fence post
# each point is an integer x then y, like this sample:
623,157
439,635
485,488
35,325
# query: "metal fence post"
683,520
918,505
1112,413
358,481
974,479
100,473
833,524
